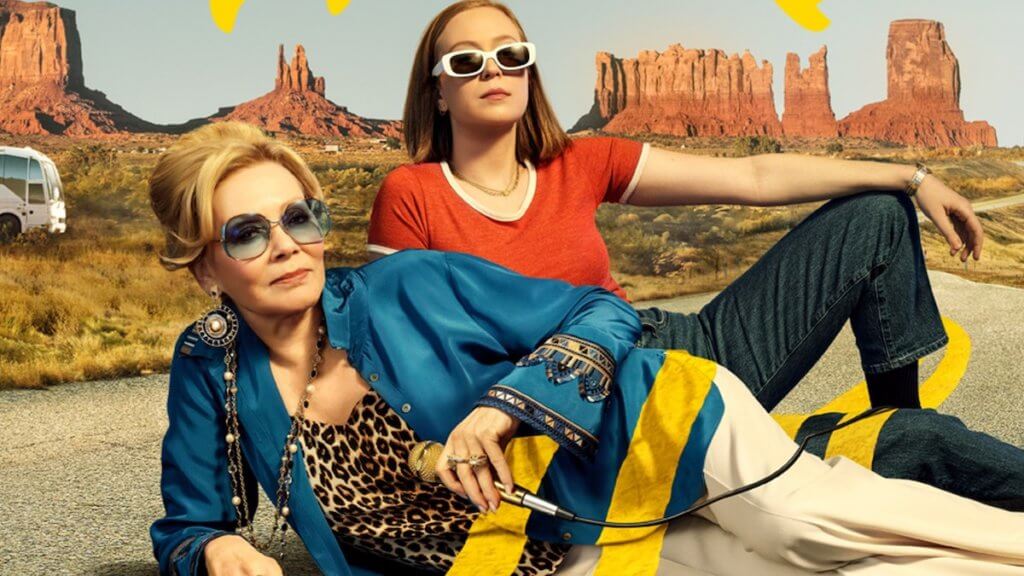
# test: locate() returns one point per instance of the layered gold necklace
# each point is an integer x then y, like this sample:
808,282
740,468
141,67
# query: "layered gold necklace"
492,191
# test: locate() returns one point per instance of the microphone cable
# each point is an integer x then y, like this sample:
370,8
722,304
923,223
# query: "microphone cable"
524,498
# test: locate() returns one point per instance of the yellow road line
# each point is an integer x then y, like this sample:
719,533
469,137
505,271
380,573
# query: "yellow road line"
934,391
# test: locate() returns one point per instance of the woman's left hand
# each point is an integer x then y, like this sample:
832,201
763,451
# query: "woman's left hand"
485,431
952,215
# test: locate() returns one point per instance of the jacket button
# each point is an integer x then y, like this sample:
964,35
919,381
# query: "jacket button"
567,536
374,377
406,408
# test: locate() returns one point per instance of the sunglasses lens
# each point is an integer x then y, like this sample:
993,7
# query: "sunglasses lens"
302,221
514,56
467,63
246,237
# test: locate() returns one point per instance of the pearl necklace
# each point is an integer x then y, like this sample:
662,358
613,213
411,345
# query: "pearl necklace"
234,452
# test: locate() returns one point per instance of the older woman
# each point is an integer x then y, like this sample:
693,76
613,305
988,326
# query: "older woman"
326,387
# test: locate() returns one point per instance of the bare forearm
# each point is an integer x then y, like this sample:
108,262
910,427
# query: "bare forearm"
782,179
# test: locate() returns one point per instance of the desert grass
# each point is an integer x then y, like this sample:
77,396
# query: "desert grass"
95,303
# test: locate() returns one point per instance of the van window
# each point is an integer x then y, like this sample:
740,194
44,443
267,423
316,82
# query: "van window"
54,178
36,193
34,171
15,171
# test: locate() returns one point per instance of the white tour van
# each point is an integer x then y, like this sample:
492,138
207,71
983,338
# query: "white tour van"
31,193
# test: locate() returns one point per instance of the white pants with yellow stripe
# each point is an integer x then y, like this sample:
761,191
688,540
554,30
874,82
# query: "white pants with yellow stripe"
820,516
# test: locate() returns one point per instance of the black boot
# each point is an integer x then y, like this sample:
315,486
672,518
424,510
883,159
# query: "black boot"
898,387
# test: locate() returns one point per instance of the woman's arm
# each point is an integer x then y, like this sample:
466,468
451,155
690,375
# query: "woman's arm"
569,341
673,179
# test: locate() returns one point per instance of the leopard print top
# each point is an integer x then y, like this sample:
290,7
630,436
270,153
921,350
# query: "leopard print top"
374,503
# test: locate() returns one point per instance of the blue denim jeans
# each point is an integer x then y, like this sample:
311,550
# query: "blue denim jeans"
855,258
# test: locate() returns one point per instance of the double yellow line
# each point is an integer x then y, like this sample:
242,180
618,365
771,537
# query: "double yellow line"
857,441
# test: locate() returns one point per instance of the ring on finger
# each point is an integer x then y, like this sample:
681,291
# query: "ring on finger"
454,461
477,461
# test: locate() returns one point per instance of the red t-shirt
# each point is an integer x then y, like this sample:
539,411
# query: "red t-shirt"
553,234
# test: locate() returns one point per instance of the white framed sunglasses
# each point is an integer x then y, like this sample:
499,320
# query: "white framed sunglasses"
508,57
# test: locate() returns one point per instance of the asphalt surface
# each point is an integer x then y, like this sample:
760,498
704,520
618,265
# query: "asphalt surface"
80,463
986,205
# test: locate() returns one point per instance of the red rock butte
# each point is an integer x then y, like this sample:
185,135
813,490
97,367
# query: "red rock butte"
923,102
683,91
808,110
688,92
297,104
42,89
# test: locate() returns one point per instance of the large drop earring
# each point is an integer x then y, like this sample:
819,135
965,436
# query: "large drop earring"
219,326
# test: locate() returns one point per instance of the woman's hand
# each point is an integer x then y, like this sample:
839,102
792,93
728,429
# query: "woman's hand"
485,431
232,555
952,215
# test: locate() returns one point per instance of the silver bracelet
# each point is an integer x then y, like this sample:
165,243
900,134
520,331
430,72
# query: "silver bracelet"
915,181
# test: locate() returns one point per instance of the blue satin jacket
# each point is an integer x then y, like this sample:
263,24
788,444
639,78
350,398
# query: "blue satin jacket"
436,334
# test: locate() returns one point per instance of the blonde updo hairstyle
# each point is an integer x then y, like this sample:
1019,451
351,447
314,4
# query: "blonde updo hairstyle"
186,175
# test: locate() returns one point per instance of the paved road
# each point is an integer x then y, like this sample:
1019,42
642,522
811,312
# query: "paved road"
79,464
986,205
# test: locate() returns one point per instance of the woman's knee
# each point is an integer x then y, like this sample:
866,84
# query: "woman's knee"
918,444
890,209
795,541
877,222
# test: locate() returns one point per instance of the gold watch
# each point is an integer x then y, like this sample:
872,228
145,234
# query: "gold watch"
915,181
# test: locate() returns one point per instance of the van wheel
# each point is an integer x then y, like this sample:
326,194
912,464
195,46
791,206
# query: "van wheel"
10,227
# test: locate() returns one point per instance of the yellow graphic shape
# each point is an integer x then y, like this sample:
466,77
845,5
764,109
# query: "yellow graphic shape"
805,13
934,391
225,12
857,441
336,6
496,540
643,486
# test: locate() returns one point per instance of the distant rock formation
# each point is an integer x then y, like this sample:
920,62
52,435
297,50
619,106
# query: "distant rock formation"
808,110
297,76
297,105
688,92
923,103
683,91
42,88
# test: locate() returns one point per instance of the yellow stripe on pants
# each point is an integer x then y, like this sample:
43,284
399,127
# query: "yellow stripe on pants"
643,487
495,543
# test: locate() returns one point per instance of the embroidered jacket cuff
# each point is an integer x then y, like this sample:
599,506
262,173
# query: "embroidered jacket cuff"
540,390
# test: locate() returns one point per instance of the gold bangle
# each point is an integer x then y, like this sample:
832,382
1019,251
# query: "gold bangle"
917,178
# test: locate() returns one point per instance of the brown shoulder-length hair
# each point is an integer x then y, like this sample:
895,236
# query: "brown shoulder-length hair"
428,133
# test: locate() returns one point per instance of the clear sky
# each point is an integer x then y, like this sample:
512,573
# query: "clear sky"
166,61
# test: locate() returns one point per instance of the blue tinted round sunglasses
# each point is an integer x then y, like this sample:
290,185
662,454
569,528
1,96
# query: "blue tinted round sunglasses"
247,236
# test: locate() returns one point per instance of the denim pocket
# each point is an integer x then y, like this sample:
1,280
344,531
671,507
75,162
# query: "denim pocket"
652,320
